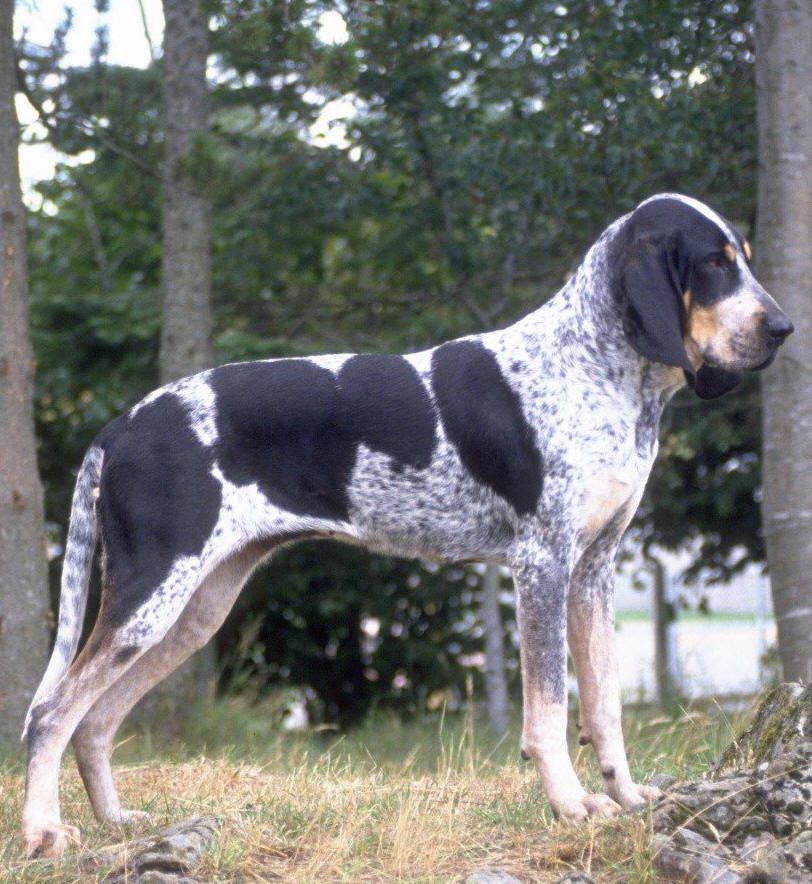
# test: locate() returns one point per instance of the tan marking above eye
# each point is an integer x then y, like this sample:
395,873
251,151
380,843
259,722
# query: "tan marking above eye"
686,299
748,252
730,253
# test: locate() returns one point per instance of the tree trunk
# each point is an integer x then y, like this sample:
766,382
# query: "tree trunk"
784,264
665,656
186,280
186,274
23,569
495,677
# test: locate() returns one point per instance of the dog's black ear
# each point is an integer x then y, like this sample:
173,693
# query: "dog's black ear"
651,287
710,383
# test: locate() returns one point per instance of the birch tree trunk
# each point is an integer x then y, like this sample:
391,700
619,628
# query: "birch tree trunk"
23,568
186,283
784,264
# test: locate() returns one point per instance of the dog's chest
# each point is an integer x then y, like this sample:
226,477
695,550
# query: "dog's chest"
611,479
603,448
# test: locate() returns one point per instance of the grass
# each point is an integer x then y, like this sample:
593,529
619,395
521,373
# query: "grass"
422,801
714,618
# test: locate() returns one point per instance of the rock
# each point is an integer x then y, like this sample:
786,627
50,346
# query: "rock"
715,809
691,861
798,855
750,818
155,877
763,856
576,878
488,875
165,857
663,782
691,842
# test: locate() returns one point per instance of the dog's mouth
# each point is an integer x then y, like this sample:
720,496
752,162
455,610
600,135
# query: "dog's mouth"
741,366
745,358
768,361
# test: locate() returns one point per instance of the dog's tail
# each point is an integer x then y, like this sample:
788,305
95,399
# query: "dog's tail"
76,567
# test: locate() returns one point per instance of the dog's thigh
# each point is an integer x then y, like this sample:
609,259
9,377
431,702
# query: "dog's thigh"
106,656
200,619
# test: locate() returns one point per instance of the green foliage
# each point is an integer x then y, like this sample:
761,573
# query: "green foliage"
706,486
94,267
359,630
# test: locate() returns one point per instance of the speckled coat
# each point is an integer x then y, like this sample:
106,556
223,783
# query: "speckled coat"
529,446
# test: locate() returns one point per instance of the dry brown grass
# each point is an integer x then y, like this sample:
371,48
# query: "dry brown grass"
309,812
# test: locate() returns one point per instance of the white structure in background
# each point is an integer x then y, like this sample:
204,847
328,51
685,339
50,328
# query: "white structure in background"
295,717
716,655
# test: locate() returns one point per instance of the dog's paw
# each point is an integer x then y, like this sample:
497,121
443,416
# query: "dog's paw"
595,805
650,793
637,797
50,840
600,805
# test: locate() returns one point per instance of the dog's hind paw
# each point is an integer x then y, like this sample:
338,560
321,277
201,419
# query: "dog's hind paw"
50,841
600,805
126,817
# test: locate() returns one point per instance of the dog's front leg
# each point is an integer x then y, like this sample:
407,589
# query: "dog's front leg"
592,644
541,581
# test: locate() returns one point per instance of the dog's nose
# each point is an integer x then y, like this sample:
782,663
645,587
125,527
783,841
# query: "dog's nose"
779,326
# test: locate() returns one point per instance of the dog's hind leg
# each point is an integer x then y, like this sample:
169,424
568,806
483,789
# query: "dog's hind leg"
202,616
112,648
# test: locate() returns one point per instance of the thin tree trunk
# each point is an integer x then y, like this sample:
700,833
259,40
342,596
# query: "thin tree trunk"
784,264
186,281
665,658
186,272
496,687
495,677
23,568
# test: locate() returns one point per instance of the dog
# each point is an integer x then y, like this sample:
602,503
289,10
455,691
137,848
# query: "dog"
529,446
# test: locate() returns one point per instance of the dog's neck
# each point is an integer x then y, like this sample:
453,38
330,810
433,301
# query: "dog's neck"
591,328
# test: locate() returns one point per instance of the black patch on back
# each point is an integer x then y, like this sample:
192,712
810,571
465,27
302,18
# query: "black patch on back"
157,501
294,427
483,418
279,425
388,408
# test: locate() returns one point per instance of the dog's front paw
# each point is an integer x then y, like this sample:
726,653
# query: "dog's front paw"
49,840
637,797
588,805
650,793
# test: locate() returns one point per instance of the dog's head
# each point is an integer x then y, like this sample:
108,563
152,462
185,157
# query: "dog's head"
688,297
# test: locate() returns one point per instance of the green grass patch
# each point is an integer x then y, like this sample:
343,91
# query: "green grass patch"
427,799
713,618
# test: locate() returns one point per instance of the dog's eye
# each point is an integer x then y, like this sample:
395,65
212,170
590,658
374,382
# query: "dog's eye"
717,261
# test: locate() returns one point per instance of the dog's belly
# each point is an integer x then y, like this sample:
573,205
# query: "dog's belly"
439,513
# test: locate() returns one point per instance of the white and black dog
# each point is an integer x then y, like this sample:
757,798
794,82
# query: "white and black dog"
528,446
